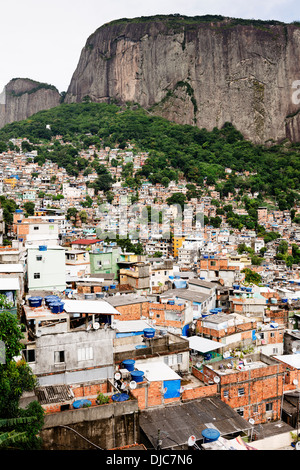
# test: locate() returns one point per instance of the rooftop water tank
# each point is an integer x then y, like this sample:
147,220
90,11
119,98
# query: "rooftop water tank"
57,307
42,248
129,364
210,434
35,301
137,375
149,332
51,298
88,296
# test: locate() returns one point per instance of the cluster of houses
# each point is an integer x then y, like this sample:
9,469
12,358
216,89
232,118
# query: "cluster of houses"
167,349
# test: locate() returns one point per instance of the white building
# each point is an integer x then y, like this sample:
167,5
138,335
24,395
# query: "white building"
46,269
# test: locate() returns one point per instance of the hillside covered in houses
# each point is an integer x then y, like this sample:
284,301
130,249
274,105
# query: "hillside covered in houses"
156,265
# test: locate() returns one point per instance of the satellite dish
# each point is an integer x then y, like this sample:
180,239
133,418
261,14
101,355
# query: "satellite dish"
132,385
89,327
96,325
165,390
38,333
182,389
294,350
123,386
117,375
216,379
198,365
191,441
251,421
297,447
295,382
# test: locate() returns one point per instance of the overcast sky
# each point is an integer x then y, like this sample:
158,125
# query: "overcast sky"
42,39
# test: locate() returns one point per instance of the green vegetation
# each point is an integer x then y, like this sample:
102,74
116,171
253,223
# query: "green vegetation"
251,277
174,151
19,427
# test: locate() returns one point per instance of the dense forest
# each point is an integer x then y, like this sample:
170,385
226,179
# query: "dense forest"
174,150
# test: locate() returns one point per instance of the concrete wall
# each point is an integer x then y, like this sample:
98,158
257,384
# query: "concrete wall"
101,342
107,426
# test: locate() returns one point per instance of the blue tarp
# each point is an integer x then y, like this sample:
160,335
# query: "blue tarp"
180,284
81,403
120,397
173,388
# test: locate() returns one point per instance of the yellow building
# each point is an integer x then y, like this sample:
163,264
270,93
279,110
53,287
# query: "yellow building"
177,243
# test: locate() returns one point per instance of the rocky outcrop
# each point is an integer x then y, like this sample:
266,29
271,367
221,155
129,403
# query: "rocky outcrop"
23,97
197,71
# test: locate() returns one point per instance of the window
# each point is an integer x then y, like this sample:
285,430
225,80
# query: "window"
275,350
29,355
241,392
240,411
269,406
36,228
255,408
84,354
226,394
272,334
36,276
59,356
179,358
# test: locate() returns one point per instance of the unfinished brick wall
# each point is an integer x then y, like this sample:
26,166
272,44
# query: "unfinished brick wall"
245,328
252,390
133,311
158,312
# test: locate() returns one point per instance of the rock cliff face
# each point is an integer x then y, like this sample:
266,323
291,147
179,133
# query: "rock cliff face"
195,71
22,98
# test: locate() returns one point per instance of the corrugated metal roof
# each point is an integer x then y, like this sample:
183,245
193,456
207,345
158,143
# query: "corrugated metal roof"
54,394
178,422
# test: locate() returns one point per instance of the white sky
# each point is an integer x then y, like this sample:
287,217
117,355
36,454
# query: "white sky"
42,39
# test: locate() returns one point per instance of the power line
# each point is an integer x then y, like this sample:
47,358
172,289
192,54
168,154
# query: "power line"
80,435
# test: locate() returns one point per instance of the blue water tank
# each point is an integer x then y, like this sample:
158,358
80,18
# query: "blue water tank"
210,434
35,301
214,311
42,248
149,332
51,298
129,364
137,375
56,307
